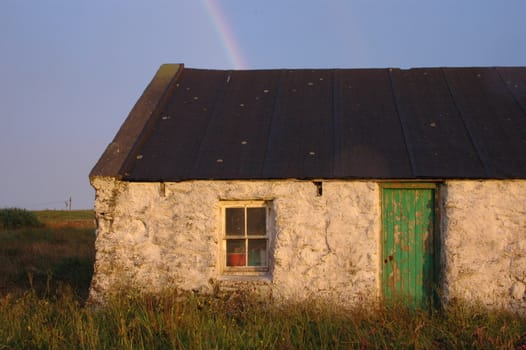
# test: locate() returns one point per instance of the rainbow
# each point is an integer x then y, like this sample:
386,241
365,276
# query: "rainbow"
228,39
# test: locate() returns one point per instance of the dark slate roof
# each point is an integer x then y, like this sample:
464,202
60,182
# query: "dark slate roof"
425,123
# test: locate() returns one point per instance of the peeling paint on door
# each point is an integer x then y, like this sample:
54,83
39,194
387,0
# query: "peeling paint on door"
408,216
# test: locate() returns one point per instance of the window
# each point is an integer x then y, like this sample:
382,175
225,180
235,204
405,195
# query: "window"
245,237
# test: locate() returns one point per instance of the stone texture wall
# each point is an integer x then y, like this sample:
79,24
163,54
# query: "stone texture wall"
153,236
484,242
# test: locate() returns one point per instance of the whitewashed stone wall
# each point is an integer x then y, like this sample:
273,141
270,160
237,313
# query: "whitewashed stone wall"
150,238
484,248
324,245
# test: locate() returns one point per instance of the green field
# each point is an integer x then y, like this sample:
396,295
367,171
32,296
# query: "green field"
45,273
64,215
48,255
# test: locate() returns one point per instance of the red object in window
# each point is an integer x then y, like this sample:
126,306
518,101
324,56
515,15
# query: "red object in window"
236,259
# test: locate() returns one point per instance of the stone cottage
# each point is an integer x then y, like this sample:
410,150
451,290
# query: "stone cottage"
355,185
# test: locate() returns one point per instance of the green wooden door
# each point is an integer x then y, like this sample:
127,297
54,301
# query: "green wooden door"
408,253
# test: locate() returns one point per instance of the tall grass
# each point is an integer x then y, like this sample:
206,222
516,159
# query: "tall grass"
42,258
243,322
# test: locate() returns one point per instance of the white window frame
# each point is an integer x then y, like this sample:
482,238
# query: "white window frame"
256,271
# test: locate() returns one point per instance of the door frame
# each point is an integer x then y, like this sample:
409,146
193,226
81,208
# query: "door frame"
436,234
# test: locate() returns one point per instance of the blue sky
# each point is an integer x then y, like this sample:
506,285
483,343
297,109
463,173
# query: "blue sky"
72,70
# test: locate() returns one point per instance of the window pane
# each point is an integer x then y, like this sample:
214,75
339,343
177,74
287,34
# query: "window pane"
235,221
235,252
257,252
256,221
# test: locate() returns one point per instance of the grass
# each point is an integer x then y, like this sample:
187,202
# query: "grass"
64,215
175,321
43,257
44,279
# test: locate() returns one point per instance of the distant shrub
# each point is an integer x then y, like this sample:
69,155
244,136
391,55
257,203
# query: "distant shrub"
11,218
